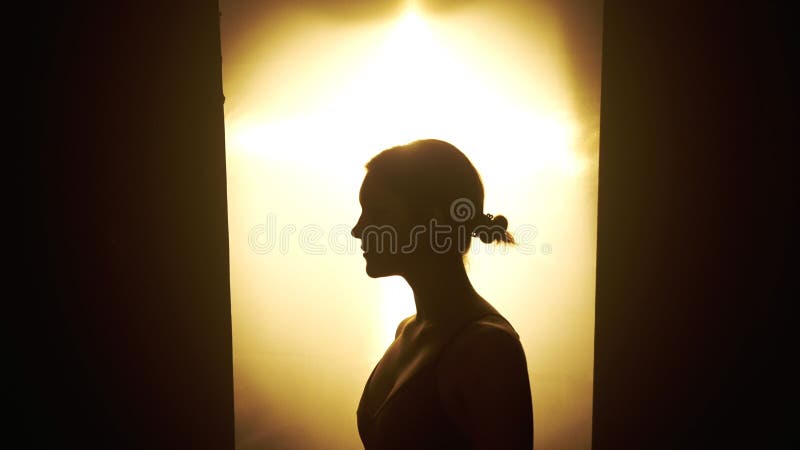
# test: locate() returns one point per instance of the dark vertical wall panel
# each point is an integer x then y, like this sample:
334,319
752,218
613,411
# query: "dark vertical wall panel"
126,314
695,226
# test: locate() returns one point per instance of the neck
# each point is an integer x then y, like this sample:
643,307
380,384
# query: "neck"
442,291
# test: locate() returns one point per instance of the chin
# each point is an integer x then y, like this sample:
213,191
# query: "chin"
376,270
375,273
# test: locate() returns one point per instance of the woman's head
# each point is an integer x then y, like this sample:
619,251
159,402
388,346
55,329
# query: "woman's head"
422,200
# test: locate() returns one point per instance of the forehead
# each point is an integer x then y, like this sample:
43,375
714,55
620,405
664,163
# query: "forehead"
375,193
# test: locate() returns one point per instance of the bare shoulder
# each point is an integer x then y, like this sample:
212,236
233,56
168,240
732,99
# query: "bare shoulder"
403,324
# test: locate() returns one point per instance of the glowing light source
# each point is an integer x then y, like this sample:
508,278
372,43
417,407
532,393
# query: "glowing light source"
301,121
413,87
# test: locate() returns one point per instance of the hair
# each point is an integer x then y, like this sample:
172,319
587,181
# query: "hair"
431,173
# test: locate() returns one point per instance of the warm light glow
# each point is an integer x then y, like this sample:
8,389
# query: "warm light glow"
306,108
413,86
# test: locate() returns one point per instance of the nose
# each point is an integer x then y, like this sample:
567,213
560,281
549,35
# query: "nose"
357,229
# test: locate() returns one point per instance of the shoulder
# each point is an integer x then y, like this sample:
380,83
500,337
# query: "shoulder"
403,324
486,343
484,386
485,351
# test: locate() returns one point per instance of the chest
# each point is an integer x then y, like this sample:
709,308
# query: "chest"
401,362
403,406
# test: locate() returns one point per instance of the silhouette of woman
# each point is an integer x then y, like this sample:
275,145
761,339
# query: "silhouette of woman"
456,375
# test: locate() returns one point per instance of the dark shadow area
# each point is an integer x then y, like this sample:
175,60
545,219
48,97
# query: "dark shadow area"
121,310
125,291
695,227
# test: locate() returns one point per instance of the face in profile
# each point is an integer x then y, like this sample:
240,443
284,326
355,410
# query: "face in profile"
420,204
384,228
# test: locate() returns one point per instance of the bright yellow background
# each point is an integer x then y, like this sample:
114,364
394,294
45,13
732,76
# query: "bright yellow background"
309,99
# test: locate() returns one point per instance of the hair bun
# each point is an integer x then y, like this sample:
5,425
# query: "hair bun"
492,229
500,221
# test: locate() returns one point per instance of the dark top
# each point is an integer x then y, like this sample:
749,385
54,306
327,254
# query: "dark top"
414,417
